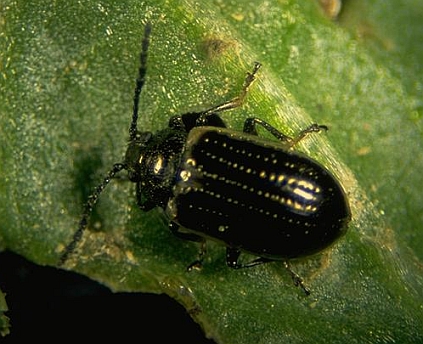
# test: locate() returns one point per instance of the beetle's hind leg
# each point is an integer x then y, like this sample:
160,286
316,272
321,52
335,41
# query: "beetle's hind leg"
298,281
250,127
314,128
232,256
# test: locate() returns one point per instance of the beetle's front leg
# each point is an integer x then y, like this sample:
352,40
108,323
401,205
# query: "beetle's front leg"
250,127
143,204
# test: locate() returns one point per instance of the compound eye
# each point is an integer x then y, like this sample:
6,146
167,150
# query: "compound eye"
158,166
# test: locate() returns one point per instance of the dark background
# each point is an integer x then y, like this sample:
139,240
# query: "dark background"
49,304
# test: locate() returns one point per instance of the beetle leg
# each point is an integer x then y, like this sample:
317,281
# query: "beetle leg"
144,205
251,123
234,102
189,120
314,128
174,228
298,282
232,256
197,264
177,123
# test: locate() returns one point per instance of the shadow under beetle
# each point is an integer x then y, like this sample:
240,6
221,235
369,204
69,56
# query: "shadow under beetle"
250,194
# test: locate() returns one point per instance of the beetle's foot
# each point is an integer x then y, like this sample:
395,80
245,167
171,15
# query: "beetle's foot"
196,265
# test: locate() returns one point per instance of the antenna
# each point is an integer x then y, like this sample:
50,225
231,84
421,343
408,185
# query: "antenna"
88,208
140,80
92,199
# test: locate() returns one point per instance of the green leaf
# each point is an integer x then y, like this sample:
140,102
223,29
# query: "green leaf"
67,73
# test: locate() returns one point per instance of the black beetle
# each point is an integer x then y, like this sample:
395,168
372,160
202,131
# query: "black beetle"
249,193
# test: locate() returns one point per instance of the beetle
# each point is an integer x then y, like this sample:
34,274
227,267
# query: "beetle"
249,193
